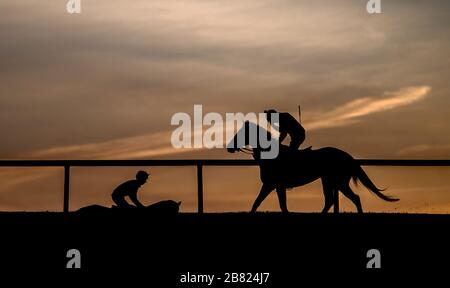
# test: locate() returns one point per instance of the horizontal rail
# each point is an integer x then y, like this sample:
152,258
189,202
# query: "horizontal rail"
203,162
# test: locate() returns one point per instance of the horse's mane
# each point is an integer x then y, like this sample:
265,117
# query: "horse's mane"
259,129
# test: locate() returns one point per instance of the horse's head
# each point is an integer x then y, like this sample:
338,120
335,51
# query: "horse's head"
258,138
240,140
233,146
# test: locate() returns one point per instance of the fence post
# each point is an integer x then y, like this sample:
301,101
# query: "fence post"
200,186
336,201
66,188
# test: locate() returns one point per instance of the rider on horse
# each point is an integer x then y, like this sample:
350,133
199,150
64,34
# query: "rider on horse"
288,125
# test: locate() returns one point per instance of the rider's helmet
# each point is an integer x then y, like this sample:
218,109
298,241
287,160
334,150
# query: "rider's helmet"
142,175
268,114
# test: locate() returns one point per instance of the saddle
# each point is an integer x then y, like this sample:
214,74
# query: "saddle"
287,167
288,154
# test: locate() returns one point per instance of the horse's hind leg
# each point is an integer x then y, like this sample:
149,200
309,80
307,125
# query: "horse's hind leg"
265,191
281,192
347,191
328,193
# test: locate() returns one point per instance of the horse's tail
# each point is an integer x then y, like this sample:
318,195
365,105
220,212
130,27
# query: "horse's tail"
365,180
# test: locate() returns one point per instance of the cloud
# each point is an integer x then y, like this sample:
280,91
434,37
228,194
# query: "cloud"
349,112
423,149
159,144
148,145
136,147
14,177
114,72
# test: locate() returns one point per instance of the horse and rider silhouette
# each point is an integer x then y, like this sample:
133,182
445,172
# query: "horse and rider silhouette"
293,167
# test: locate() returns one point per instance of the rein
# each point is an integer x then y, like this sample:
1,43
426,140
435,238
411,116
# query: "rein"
246,150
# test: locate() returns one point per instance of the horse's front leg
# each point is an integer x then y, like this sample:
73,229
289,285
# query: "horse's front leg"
281,192
265,191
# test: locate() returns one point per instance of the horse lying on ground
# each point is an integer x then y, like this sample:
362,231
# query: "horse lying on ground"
166,207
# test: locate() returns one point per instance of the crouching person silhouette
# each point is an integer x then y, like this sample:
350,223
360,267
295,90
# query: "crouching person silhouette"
130,189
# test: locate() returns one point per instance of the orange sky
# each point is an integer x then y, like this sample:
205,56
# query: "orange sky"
104,85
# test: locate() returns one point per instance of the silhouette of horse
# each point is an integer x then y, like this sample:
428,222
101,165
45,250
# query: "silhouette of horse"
162,207
296,168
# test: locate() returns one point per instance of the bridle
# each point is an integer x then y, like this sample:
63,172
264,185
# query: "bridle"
246,150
